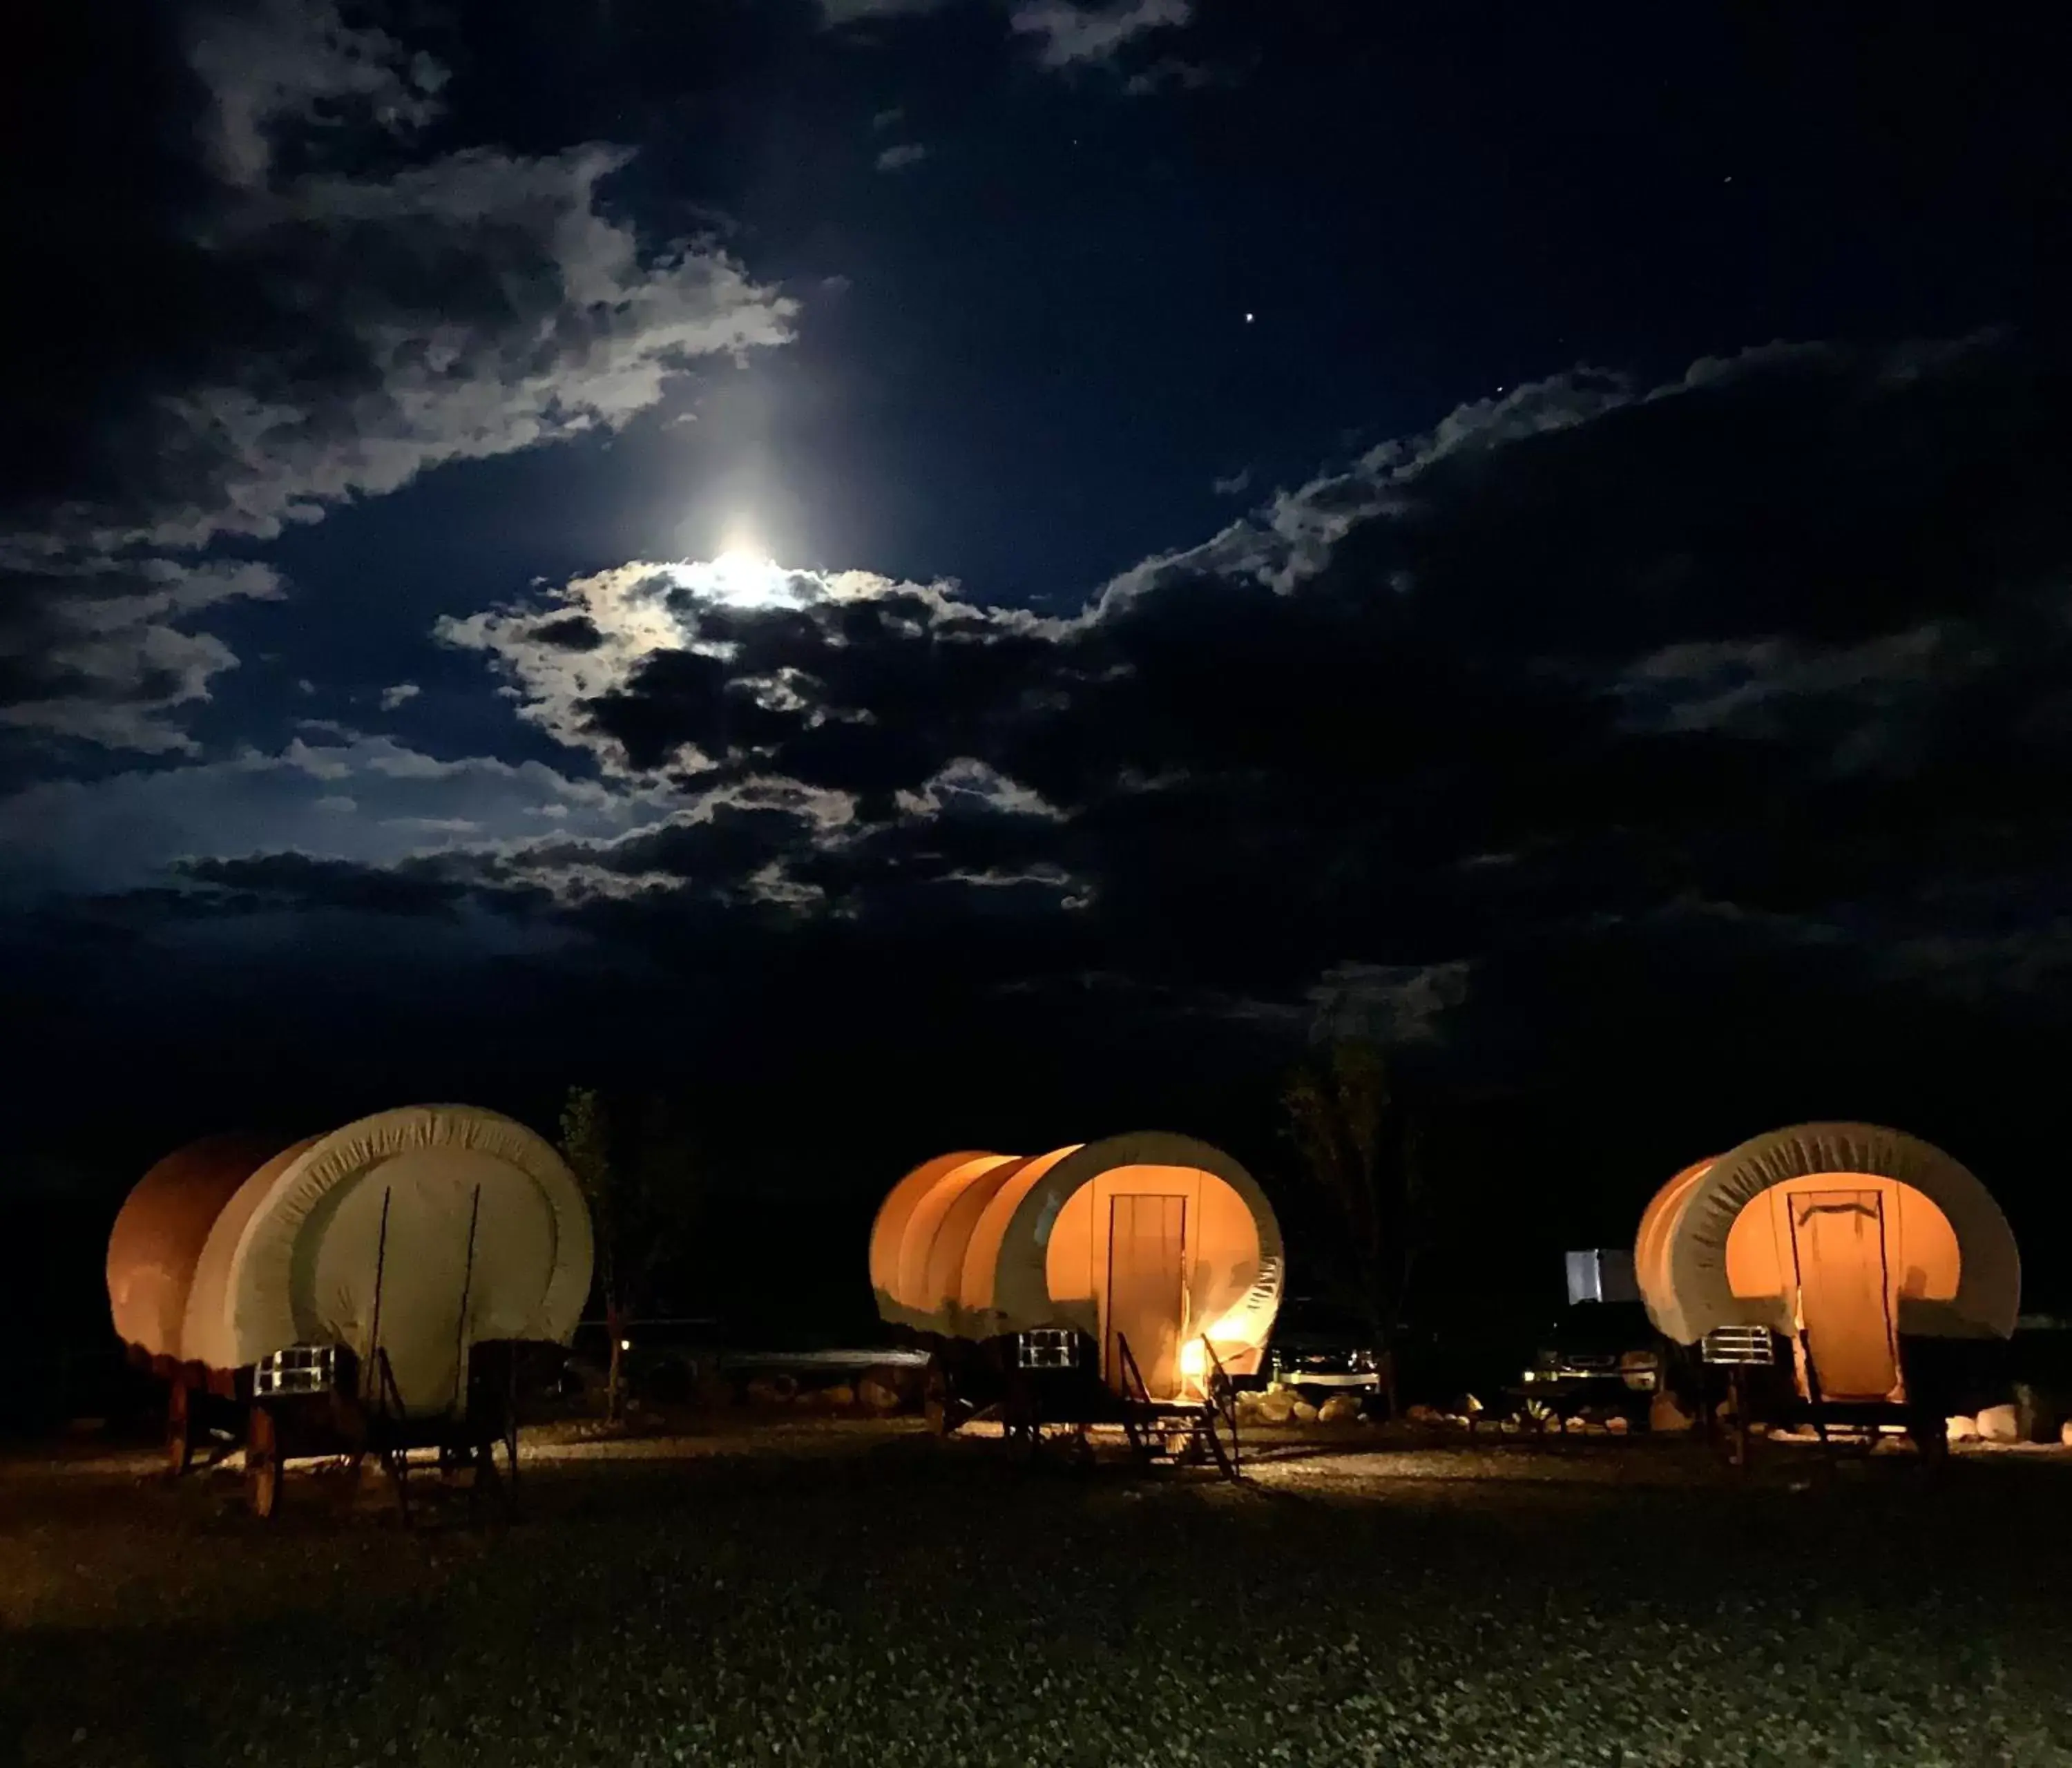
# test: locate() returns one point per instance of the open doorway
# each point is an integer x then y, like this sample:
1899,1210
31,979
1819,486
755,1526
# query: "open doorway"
1845,1294
1147,1288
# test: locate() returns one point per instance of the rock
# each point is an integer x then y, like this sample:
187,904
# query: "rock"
1553,1423
777,1390
841,1396
2065,1433
1999,1425
1422,1415
1510,1427
1277,1406
1593,1427
874,1396
906,1381
1341,1409
1961,1427
1303,1412
1890,1445
1619,1424
1664,1414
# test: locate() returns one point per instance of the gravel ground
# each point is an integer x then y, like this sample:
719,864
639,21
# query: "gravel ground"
857,1593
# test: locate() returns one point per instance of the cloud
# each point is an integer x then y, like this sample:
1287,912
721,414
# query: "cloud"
399,695
1581,730
1504,678
1388,1005
329,313
491,306
107,655
1233,484
899,157
294,65
335,793
691,668
1068,34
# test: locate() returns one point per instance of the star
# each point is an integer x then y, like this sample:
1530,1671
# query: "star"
1249,317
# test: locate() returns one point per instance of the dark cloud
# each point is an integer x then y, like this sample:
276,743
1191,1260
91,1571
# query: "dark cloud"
283,299
1713,730
1069,33
1778,637
304,881
108,654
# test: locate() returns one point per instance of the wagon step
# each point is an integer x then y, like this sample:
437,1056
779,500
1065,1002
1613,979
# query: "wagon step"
1181,1433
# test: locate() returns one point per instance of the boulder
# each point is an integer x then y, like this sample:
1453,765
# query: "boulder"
841,1396
1277,1406
1421,1414
1553,1423
1961,1427
1302,1413
876,1396
1664,1414
1341,1409
907,1381
1999,1425
2065,1433
1619,1424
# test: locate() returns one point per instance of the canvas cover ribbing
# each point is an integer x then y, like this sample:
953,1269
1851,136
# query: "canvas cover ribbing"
1681,1256
294,1253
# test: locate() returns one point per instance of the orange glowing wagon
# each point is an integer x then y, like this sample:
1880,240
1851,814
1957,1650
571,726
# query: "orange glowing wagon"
1839,1272
1132,1280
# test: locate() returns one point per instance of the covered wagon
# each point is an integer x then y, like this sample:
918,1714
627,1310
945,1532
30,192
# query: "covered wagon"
1841,1271
373,1290
1131,1280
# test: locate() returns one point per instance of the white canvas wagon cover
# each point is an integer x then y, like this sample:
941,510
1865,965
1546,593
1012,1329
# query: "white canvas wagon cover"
486,1237
1721,1244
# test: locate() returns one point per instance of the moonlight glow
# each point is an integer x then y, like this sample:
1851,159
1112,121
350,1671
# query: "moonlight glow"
740,578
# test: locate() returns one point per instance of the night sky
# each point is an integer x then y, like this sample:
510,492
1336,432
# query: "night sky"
931,572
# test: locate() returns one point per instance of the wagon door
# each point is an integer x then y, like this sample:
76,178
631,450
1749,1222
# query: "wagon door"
1844,1295
1147,1288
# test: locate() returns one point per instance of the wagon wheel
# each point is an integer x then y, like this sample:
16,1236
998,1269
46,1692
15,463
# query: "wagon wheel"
179,1429
263,1462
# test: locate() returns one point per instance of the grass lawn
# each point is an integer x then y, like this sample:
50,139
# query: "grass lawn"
858,1593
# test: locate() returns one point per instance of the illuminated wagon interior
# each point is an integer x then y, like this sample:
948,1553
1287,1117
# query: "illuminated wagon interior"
1870,1268
373,1290
1144,1267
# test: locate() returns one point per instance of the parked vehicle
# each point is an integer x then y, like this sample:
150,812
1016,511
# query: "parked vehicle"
1327,1348
1599,1356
